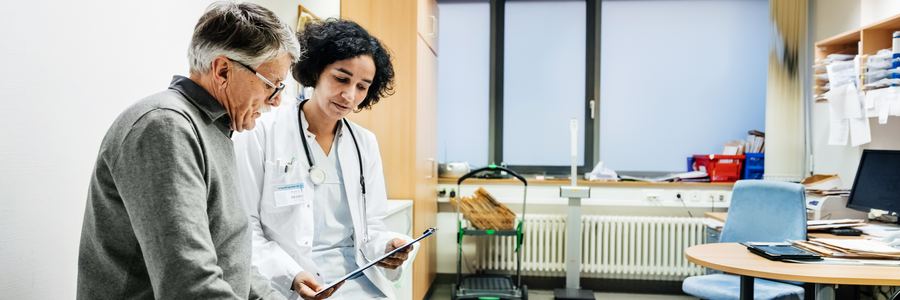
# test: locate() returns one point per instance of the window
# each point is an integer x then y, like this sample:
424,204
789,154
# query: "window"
543,81
679,78
463,85
670,79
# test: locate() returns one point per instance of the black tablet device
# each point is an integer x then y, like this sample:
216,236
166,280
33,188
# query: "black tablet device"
781,251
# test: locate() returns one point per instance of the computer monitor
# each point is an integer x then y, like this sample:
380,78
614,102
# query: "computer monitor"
877,183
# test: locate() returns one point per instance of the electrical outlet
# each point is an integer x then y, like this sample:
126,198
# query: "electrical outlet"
679,196
652,195
694,196
710,197
723,197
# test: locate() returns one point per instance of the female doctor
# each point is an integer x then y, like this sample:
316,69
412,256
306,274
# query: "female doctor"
313,181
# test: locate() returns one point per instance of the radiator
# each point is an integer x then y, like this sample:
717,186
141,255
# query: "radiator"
609,245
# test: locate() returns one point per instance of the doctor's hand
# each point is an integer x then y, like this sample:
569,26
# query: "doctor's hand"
394,261
306,286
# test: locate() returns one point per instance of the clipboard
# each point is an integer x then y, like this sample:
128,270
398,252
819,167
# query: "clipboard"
359,272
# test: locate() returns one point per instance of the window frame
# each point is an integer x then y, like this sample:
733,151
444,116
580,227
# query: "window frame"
591,100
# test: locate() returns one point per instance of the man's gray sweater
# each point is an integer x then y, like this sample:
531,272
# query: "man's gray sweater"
163,217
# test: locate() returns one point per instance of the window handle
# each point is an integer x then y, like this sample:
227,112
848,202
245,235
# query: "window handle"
434,25
592,109
431,164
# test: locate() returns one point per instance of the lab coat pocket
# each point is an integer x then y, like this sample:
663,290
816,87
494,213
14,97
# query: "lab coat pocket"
283,189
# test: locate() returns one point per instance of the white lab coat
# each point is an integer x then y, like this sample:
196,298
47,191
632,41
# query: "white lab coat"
282,236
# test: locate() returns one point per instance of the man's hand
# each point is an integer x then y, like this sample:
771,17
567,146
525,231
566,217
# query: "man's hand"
306,286
394,261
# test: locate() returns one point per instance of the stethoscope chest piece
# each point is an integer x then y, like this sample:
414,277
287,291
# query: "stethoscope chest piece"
316,175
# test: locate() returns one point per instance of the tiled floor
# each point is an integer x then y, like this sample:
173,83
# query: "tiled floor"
442,292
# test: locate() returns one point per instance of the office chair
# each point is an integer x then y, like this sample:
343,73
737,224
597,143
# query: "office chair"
761,211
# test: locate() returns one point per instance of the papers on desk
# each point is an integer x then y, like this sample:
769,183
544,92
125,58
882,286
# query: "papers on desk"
851,262
879,230
861,246
850,248
829,192
713,223
822,182
670,177
825,224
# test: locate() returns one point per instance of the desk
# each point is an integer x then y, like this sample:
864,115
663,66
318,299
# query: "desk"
736,259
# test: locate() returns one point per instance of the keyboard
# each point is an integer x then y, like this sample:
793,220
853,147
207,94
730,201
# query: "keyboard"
846,231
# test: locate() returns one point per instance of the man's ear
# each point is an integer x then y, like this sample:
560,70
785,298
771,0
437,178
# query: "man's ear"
221,66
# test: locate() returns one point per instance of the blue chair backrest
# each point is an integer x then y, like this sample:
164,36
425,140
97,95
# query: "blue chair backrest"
765,211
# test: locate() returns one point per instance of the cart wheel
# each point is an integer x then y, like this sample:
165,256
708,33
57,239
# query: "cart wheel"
453,291
524,292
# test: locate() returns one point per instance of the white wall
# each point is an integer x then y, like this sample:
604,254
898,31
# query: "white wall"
872,11
69,68
834,16
544,199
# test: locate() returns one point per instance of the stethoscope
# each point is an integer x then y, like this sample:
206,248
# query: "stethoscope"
317,176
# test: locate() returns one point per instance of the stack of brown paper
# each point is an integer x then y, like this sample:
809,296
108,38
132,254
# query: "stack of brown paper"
485,212
850,248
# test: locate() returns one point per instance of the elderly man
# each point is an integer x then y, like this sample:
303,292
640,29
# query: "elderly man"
164,219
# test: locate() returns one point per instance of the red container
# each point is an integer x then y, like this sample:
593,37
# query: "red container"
724,168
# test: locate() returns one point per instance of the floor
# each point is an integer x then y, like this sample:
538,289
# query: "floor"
442,292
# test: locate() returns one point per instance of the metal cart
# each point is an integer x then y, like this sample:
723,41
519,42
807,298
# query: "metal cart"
483,286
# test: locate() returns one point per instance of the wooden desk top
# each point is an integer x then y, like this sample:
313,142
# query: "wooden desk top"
718,216
735,258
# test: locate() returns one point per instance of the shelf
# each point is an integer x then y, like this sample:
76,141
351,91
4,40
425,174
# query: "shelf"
849,37
622,184
865,40
493,232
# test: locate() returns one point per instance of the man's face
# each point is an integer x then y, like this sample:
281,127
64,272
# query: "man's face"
248,95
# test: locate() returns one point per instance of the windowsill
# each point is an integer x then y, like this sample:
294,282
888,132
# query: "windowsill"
624,184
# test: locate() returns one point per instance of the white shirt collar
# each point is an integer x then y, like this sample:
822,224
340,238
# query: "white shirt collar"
310,135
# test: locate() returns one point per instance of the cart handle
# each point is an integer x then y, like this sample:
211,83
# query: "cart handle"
492,167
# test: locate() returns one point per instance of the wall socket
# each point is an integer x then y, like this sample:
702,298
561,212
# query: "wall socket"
653,195
694,196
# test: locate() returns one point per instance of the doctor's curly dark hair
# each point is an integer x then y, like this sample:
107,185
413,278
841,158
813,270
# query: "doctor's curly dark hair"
326,42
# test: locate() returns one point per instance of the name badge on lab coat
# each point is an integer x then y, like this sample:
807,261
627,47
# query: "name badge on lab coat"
289,194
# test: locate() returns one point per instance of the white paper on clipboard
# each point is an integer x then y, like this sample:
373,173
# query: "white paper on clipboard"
359,272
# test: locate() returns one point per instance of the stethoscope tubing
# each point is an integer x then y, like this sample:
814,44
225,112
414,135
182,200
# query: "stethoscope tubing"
312,167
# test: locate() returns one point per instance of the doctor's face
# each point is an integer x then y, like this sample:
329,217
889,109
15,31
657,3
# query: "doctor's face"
343,85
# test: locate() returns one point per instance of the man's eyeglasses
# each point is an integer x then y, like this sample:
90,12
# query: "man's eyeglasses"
277,89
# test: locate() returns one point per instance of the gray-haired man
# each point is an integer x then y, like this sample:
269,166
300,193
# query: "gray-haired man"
163,217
